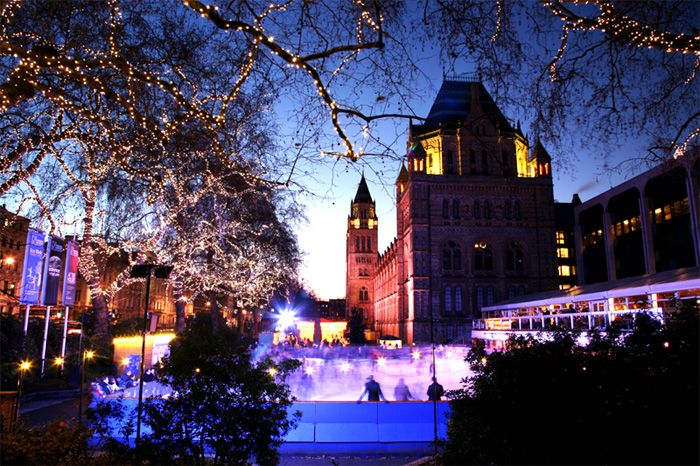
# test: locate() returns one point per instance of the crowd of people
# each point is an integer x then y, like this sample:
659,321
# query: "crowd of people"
110,385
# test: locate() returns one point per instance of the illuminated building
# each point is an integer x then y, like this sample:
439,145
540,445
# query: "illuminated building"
475,223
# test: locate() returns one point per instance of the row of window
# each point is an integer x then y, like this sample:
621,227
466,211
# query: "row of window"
9,244
511,209
482,257
482,296
363,244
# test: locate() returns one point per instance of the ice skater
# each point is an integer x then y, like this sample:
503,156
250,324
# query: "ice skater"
373,391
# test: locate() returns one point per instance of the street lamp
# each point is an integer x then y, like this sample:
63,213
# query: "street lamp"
145,271
89,354
24,366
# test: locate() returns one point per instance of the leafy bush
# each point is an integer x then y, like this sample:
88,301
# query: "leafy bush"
616,401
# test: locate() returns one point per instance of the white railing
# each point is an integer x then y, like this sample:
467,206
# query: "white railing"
573,321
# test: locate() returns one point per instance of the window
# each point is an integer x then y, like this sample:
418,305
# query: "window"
478,298
561,237
484,162
489,295
448,299
449,163
455,208
357,244
369,243
564,271
445,208
472,162
483,257
458,298
487,210
563,253
515,258
364,294
516,210
508,210
506,164
477,209
451,257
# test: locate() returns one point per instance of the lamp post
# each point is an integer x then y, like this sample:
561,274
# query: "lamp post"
89,354
145,271
24,366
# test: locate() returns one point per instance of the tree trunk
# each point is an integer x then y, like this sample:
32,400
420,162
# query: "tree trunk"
180,305
217,322
91,273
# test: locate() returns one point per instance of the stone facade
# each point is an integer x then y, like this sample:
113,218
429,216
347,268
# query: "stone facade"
475,223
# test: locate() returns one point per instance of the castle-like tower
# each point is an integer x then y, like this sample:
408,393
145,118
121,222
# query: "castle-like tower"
475,221
361,253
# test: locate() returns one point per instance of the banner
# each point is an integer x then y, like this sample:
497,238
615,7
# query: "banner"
31,274
52,271
70,276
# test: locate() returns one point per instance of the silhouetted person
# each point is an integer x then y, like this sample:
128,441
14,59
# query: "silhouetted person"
401,392
435,391
373,391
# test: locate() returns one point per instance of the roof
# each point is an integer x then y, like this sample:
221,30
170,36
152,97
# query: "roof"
540,153
363,194
662,282
454,103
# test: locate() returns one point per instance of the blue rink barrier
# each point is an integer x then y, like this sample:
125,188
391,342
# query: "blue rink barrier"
339,427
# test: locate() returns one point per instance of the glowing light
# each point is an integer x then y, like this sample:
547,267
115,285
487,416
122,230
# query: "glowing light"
286,319
272,371
9,260
125,361
483,360
416,355
308,370
381,360
345,367
25,366
58,361
89,354
666,344
197,370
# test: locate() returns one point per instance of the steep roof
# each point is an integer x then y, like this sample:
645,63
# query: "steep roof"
454,103
540,153
363,194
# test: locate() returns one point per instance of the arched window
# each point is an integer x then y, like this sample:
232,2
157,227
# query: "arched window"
455,208
364,294
515,259
369,243
483,257
477,209
456,258
357,243
458,299
484,162
445,208
448,299
472,162
487,210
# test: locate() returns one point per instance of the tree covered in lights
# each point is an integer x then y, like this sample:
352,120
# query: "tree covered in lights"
629,400
105,105
619,70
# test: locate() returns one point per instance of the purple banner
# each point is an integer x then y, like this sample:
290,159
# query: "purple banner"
52,272
31,274
70,276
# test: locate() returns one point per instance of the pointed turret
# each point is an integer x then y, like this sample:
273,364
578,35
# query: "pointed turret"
363,194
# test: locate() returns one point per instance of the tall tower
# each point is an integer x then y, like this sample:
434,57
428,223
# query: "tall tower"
361,254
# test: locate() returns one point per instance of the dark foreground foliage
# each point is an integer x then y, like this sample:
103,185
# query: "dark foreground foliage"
223,409
630,400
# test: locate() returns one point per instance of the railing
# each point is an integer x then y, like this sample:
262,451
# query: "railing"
581,321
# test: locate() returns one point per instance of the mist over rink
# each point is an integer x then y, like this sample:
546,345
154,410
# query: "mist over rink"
339,373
